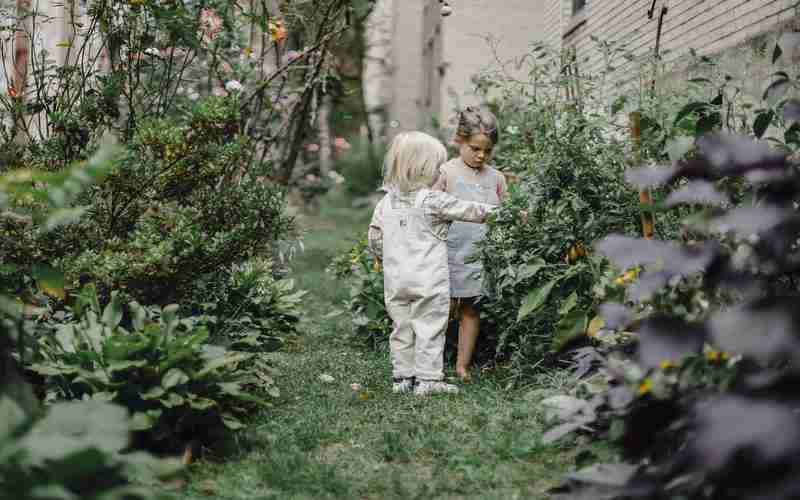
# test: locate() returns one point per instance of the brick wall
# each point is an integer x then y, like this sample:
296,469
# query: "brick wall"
708,26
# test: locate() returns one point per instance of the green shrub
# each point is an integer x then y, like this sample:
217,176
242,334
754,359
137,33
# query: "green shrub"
74,451
365,306
570,154
361,167
250,309
177,386
182,202
540,274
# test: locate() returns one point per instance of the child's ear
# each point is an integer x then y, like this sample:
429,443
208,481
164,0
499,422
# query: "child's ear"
458,140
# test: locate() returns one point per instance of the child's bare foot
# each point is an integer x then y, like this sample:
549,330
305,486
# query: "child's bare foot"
464,375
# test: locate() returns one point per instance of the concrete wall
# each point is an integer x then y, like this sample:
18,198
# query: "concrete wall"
379,66
407,66
515,24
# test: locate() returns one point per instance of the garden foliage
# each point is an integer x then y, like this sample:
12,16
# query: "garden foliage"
365,306
70,450
156,364
694,361
707,399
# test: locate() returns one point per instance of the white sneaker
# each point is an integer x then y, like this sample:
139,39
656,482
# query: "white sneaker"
402,385
425,387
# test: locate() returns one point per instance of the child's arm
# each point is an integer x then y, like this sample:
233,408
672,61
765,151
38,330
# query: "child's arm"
375,233
448,207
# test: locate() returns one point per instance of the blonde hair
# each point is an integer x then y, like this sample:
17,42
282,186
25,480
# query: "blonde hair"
474,120
412,162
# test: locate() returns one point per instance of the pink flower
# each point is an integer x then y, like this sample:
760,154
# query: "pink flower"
312,148
219,92
210,24
293,54
341,143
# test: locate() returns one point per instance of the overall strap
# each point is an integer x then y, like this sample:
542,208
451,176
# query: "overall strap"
420,198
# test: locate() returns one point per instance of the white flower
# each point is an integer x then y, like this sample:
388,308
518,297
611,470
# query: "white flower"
326,378
336,176
152,51
193,95
233,86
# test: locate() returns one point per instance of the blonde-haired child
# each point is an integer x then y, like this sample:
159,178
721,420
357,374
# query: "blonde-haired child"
408,233
470,178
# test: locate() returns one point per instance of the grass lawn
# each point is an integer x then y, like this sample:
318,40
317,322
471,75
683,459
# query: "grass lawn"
327,440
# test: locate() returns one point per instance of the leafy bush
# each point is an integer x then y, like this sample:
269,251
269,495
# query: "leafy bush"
361,167
74,451
248,308
540,274
178,387
180,204
365,306
709,391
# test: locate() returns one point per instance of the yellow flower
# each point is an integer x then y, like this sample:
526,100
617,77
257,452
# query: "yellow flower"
713,356
666,364
376,266
646,386
594,326
627,277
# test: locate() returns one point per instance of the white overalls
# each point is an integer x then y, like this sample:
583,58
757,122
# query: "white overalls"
409,232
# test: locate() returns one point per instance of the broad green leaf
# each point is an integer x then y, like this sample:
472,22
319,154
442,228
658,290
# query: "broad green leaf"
8,268
172,400
70,428
762,123
138,315
142,467
48,276
569,327
142,421
65,335
52,492
202,403
217,363
11,417
692,107
53,369
568,304
154,392
63,217
678,147
535,300
105,396
112,315
232,422
530,270
174,377
230,388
